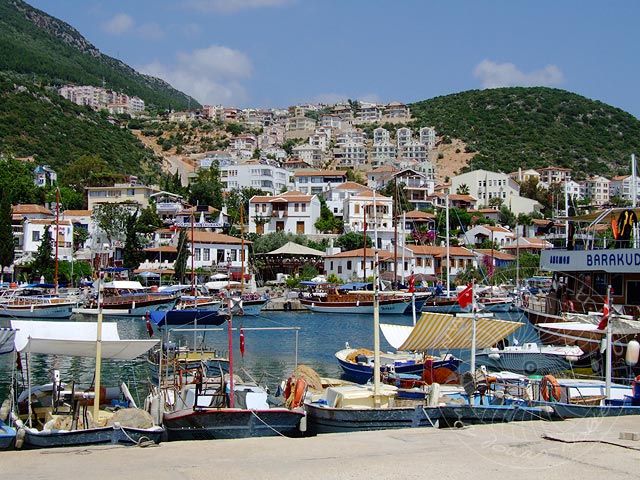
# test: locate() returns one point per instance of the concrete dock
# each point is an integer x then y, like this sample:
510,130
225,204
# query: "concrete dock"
573,449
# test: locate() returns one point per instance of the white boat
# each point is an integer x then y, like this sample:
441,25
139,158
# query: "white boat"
127,298
61,415
529,358
36,301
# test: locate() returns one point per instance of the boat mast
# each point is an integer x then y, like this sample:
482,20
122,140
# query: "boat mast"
376,309
241,249
446,201
96,390
55,278
404,242
608,362
394,210
364,248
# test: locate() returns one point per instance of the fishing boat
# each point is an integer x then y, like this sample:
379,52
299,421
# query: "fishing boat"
126,298
529,358
584,398
368,407
195,403
36,300
358,364
62,414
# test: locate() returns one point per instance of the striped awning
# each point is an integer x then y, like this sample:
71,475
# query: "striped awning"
7,336
444,331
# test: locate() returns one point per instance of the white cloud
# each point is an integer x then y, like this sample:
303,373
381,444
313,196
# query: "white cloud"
493,75
150,31
211,75
118,24
232,6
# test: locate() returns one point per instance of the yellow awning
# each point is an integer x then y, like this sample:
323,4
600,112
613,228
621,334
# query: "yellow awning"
444,331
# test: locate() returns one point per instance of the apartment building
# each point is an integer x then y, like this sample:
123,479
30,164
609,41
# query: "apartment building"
263,174
290,212
596,189
313,182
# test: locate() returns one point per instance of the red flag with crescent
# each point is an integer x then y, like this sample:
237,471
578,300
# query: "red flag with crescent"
412,287
604,320
465,297
242,342
149,327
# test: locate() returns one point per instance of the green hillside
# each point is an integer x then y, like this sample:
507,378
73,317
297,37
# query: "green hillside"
45,48
57,132
535,127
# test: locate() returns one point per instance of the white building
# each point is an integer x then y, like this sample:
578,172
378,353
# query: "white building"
431,260
486,186
290,212
497,234
266,175
379,221
313,182
596,189
622,187
428,137
336,196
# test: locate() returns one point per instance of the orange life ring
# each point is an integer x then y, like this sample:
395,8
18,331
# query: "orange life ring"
550,388
568,306
298,393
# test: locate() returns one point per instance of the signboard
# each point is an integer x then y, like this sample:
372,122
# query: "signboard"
201,224
622,260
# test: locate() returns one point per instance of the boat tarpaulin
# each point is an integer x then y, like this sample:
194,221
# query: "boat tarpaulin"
441,330
76,339
7,336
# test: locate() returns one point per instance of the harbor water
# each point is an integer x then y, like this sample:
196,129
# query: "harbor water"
280,342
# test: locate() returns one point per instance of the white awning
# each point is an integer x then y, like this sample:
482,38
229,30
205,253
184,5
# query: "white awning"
441,330
76,339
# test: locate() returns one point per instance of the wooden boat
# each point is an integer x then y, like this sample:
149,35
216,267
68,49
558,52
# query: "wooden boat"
356,303
7,436
442,304
7,432
529,358
187,316
127,298
36,301
57,415
578,398
357,364
202,411
351,408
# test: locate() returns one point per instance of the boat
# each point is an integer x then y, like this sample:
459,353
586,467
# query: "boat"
583,270
36,300
357,364
194,403
345,300
60,414
7,432
443,304
126,298
375,406
187,316
529,358
585,398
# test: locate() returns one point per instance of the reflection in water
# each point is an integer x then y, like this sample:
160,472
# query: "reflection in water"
270,356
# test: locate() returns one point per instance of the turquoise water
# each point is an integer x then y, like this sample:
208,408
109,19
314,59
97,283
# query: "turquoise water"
270,355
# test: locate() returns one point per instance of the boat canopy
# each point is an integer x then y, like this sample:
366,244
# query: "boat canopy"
7,336
444,331
76,339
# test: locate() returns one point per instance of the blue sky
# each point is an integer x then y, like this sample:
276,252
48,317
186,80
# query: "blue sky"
275,53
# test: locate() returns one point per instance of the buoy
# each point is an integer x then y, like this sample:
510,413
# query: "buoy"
633,350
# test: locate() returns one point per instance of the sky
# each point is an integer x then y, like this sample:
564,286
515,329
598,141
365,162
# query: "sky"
277,53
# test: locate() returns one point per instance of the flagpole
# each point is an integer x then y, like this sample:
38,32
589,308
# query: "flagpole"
609,338
473,330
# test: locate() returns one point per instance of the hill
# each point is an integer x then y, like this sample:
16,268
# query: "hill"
534,127
42,47
34,121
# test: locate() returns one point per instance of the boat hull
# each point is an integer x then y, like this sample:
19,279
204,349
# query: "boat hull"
129,310
524,363
387,307
92,436
322,419
227,423
570,410
62,311
7,437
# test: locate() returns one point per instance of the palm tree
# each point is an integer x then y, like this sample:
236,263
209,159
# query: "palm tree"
463,189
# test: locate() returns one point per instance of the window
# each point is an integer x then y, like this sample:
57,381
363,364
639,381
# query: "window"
196,254
339,268
206,254
35,236
304,207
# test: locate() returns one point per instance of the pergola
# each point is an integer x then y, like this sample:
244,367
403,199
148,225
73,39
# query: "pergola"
289,259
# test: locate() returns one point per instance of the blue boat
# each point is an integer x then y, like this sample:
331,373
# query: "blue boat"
358,366
188,316
7,437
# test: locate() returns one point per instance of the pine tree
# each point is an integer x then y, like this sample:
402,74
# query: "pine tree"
180,265
7,245
133,253
44,262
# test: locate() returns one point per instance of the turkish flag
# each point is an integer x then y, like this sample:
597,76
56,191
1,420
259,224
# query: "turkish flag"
412,287
604,321
242,342
465,297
